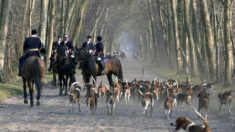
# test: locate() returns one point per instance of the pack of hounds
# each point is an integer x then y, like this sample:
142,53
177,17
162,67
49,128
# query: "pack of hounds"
169,94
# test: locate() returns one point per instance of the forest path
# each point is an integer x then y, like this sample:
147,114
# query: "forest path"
54,115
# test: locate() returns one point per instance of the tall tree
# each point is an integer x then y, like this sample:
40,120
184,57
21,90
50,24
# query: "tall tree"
193,61
43,20
209,41
19,47
176,36
31,9
227,42
51,30
5,11
77,32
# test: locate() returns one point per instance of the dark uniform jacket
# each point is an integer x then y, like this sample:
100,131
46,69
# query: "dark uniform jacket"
69,44
32,43
89,46
99,50
55,45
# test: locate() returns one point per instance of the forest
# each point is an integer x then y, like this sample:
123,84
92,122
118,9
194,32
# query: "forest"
193,37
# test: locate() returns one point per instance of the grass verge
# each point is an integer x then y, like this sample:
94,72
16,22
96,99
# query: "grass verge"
15,87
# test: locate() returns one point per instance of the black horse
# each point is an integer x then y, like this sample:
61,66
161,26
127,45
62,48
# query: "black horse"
90,67
65,66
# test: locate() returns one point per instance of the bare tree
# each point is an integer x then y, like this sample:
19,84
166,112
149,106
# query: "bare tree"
5,11
52,20
43,20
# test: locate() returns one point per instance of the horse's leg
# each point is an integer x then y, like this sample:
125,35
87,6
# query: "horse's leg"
25,91
60,79
54,78
109,76
66,85
30,92
87,78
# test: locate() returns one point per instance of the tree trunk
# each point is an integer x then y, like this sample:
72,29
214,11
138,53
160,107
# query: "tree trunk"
62,5
152,32
5,11
227,42
19,47
80,22
209,39
43,20
51,31
193,60
171,46
176,36
31,8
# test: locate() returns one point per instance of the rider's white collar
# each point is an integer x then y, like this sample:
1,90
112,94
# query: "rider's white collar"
33,36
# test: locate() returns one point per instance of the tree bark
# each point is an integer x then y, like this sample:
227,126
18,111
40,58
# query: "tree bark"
193,60
31,8
5,11
209,39
19,47
227,42
51,31
43,20
176,36
80,22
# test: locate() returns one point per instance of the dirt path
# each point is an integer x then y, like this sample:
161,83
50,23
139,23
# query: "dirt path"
53,113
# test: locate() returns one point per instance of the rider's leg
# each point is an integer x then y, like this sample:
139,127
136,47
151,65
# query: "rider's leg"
21,61
101,66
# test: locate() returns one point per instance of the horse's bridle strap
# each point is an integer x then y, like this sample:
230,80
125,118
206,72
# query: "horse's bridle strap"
33,49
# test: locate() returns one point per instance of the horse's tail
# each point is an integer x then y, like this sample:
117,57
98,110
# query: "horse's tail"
120,70
36,75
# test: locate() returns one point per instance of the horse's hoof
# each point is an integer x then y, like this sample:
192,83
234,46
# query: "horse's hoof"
65,94
60,93
31,104
25,101
38,103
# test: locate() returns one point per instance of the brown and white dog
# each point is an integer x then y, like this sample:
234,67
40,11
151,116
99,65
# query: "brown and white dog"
111,100
102,88
92,97
225,98
190,126
168,106
75,94
203,103
127,92
147,101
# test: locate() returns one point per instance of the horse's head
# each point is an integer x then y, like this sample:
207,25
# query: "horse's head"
79,54
61,53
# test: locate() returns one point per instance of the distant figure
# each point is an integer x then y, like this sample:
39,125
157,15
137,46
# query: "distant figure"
108,54
89,45
99,53
31,47
54,47
115,54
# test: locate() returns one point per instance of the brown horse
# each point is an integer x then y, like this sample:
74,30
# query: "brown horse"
90,67
33,72
54,70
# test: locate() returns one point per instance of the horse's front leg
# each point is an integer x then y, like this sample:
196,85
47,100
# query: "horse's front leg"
25,91
30,93
60,79
66,85
54,78
109,76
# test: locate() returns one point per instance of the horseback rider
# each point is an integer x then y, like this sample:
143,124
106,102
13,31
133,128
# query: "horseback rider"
31,47
68,43
54,47
70,49
99,53
88,45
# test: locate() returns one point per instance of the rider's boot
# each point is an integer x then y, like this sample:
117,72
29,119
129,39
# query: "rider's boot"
20,71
